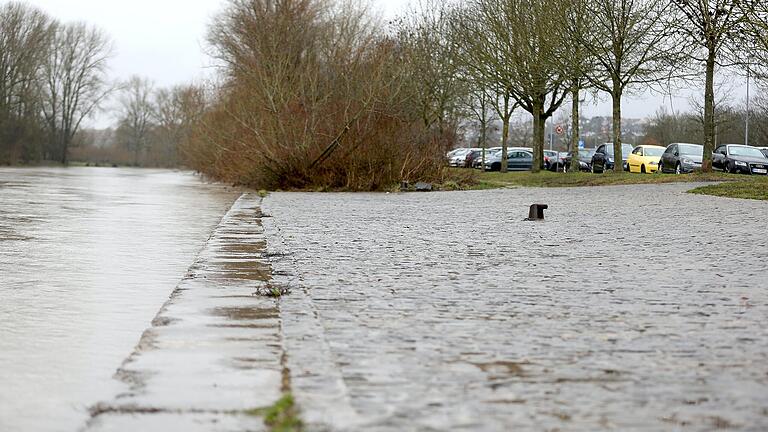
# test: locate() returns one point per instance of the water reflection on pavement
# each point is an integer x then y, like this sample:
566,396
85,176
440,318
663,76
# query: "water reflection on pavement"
87,257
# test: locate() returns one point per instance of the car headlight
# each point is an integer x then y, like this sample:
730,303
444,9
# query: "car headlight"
741,164
687,162
653,163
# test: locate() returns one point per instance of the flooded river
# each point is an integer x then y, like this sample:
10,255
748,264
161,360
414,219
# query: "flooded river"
87,257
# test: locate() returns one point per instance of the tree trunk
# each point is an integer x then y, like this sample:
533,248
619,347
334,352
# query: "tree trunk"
709,113
575,129
618,164
64,148
505,133
539,125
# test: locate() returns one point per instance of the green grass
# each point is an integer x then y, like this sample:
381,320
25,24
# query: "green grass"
754,189
280,417
727,185
549,179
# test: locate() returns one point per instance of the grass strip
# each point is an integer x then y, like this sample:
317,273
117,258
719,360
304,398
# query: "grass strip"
280,417
489,180
752,190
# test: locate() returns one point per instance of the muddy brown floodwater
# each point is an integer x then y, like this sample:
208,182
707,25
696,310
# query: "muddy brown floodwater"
87,257
445,311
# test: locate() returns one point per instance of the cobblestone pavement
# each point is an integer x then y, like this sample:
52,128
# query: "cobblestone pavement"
214,350
445,311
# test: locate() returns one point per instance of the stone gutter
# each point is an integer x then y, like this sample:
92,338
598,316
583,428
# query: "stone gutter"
214,350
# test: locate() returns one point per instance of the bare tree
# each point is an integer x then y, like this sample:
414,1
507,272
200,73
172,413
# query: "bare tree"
175,113
630,42
479,102
710,27
756,15
137,112
431,59
25,39
575,61
511,44
484,69
75,80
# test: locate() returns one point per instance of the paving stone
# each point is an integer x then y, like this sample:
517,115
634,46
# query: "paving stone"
445,311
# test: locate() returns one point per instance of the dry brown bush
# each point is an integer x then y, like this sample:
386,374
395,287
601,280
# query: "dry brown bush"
313,97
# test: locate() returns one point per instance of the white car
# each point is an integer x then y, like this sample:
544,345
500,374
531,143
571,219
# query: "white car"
459,158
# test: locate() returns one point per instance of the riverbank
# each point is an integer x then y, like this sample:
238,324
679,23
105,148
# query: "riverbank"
214,357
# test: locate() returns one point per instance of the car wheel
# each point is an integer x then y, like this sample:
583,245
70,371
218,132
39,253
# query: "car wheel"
678,169
660,170
728,169
496,167
642,169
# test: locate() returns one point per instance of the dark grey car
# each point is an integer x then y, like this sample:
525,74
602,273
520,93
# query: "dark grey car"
735,158
681,158
602,160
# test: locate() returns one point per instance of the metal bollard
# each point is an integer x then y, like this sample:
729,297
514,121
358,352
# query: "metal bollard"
537,212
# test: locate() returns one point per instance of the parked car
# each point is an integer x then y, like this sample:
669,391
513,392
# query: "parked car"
645,159
458,158
585,159
734,158
559,165
518,159
681,158
603,161
471,156
550,158
489,154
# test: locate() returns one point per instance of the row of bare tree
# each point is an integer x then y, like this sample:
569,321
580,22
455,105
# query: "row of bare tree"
52,77
666,127
153,122
317,93
537,54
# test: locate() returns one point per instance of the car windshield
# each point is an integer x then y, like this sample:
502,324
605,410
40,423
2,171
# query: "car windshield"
626,149
746,151
653,151
691,149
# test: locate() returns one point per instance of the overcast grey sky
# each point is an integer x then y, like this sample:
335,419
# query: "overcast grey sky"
164,39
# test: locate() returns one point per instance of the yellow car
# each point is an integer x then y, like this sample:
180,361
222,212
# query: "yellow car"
645,159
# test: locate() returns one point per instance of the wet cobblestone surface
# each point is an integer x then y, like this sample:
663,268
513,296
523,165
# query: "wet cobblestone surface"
445,311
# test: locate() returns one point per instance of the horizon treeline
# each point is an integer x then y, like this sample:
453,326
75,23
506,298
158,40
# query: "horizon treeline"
52,77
